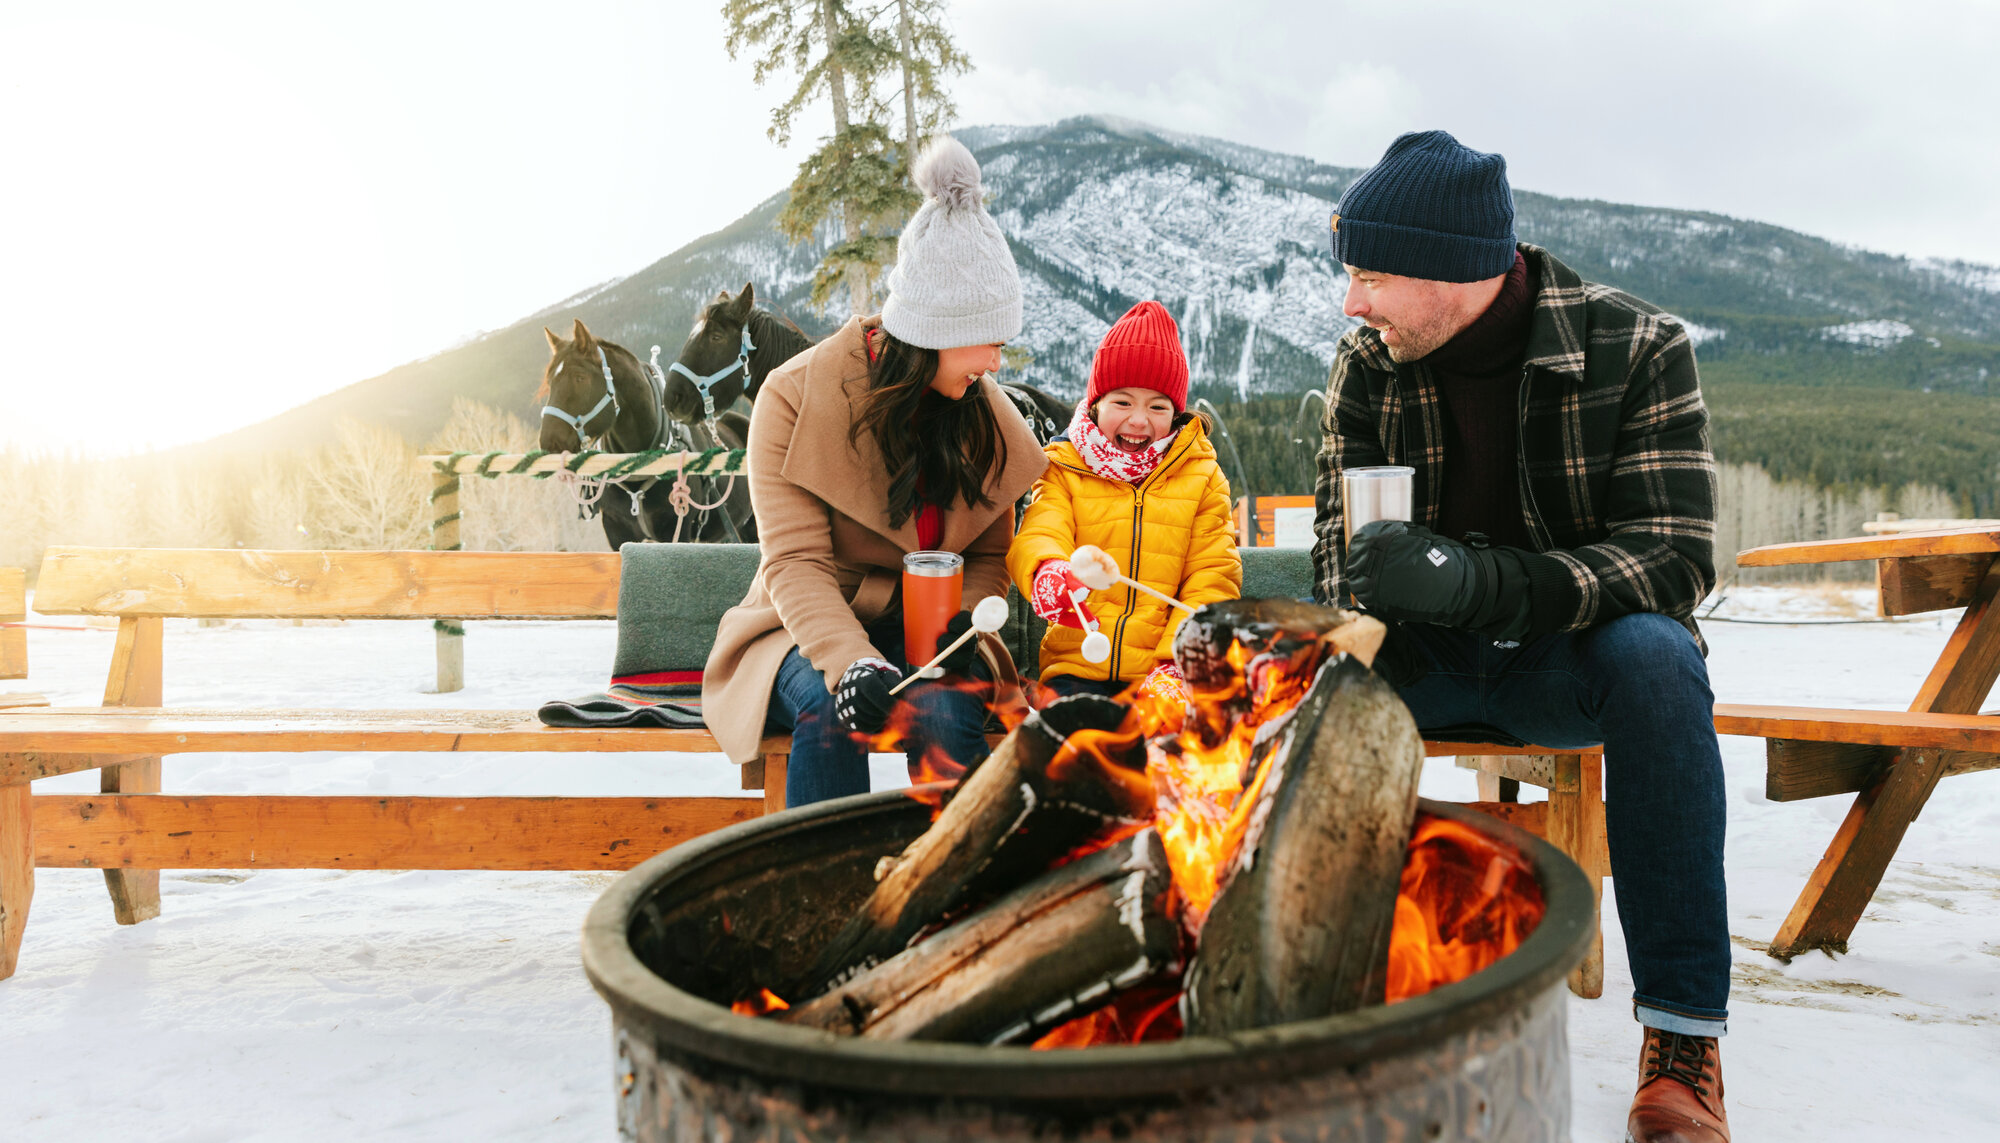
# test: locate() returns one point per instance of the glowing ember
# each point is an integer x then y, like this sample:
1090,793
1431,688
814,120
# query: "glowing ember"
1466,901
762,1004
1143,1015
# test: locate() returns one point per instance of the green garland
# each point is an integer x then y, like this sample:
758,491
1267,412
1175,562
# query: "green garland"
732,463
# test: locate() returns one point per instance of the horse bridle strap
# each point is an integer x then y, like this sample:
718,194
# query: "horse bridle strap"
702,384
610,398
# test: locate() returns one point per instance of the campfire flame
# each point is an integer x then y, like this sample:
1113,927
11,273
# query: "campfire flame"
762,1004
1198,772
1142,1015
1465,900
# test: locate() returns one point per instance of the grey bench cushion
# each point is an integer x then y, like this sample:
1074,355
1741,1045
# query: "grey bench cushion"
671,598
670,601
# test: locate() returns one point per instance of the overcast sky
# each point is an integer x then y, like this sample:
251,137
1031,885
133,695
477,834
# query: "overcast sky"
213,212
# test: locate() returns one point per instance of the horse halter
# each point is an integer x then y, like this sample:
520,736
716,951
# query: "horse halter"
610,398
703,385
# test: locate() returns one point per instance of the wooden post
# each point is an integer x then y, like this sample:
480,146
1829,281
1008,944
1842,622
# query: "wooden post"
135,681
774,782
17,871
1576,826
13,609
444,538
1844,882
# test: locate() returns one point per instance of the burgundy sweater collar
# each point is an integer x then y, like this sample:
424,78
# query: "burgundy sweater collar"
1497,339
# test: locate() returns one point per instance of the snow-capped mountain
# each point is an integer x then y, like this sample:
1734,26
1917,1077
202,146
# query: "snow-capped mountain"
1103,213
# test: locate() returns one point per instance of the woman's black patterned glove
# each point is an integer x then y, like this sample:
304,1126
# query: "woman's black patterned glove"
861,703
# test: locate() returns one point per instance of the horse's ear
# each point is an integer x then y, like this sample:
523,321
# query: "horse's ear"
739,310
580,335
555,343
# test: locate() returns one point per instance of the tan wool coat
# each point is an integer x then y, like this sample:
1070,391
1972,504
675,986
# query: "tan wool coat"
830,560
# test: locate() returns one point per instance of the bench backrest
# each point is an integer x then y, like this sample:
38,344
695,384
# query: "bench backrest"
673,596
215,583
669,597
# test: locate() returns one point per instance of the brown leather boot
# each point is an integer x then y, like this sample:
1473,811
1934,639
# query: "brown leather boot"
1680,1091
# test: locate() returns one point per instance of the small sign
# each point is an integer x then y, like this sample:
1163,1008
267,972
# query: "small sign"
1292,527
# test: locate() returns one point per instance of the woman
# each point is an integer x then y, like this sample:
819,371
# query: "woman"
886,438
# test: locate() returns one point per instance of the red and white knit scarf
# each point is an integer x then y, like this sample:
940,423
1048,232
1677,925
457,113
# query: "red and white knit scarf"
1106,459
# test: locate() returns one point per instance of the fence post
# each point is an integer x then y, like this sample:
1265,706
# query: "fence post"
444,538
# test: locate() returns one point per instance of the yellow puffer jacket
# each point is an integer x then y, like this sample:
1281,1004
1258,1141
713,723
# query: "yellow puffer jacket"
1173,532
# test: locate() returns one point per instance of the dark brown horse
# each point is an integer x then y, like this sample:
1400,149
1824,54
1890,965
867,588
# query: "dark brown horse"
735,345
598,394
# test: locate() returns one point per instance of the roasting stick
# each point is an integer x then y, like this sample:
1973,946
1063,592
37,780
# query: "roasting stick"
1098,571
1096,644
989,616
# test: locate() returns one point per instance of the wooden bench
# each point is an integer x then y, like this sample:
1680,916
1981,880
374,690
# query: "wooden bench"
1891,760
13,613
132,829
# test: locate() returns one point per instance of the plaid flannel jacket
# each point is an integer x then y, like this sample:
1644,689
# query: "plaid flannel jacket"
1617,478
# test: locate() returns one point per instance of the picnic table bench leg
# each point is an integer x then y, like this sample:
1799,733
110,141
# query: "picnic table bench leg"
1495,788
135,681
774,782
1845,880
1576,826
17,871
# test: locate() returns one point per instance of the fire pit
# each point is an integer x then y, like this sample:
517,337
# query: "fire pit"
674,942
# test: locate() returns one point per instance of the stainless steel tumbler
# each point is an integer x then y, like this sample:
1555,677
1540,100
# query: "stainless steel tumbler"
1381,492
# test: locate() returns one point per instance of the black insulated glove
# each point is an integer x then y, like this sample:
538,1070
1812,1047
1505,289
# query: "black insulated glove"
861,703
1402,571
959,662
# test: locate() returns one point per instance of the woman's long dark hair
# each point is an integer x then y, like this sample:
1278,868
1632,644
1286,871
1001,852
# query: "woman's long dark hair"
938,451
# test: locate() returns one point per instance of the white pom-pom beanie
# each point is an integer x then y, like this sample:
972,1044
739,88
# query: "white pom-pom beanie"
954,281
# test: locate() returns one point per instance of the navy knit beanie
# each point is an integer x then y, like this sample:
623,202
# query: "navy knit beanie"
1432,208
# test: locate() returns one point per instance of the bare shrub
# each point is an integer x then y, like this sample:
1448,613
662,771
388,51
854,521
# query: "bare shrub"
366,492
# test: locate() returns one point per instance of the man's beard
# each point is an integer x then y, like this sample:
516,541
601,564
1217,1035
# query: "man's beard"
1417,342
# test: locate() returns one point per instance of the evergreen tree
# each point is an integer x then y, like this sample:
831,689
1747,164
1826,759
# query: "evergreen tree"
925,54
853,177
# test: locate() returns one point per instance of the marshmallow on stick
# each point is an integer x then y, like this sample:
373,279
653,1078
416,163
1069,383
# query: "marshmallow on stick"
989,616
1096,570
1096,644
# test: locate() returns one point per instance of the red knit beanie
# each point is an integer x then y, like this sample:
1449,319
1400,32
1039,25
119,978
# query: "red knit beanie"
1142,351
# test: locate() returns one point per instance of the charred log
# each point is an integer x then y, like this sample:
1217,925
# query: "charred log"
1029,803
1286,631
1300,928
1050,951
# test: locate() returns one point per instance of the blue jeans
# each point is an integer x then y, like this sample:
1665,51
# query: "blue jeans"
1638,686
827,762
1064,686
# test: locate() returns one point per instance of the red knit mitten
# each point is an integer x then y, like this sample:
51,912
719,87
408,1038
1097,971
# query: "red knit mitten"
1058,596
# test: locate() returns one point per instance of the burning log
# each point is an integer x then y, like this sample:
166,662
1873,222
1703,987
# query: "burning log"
1271,630
1051,950
1300,928
1029,803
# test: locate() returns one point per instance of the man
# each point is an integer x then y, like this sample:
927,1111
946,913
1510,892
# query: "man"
1562,531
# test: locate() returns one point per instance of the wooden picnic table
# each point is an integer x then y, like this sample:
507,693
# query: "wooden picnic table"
1915,572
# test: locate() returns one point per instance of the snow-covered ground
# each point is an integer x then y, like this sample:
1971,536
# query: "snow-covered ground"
281,1005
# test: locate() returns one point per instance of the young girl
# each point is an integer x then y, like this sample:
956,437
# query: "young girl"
1136,476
